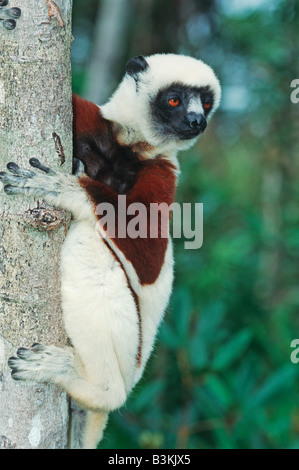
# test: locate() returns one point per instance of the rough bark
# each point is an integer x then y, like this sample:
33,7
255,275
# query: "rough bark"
35,102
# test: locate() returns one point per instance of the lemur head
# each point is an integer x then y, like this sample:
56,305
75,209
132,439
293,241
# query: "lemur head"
165,100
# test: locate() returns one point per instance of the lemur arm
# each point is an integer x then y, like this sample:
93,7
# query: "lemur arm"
55,188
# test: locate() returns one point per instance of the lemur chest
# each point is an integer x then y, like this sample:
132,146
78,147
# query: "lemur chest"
114,170
138,232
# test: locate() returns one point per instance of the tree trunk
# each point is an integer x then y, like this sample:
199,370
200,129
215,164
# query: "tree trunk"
35,102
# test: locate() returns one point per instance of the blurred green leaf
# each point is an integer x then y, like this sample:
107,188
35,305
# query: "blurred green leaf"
217,388
277,384
232,350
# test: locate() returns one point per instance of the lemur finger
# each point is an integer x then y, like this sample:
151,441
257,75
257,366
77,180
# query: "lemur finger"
10,189
15,180
6,178
15,169
37,164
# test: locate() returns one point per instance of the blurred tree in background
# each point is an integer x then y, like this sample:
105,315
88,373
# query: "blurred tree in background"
220,375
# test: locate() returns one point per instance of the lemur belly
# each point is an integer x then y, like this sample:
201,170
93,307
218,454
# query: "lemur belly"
99,310
96,283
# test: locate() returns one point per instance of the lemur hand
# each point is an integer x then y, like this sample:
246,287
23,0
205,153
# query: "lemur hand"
21,181
57,189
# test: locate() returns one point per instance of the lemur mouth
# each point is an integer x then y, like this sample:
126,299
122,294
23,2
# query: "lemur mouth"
190,134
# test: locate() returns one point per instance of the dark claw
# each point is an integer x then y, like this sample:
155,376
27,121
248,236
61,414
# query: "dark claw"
9,24
11,361
13,12
35,162
12,166
14,374
22,352
3,3
9,189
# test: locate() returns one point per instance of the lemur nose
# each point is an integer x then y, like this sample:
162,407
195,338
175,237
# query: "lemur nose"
197,121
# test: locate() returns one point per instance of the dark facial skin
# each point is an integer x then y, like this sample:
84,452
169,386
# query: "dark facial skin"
170,111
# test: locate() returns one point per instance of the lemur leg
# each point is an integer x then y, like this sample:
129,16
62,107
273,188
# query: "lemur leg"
62,367
101,320
55,188
98,372
96,382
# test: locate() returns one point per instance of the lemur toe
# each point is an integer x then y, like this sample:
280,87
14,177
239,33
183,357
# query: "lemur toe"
12,361
7,178
16,170
23,353
29,353
13,364
10,189
16,375
37,164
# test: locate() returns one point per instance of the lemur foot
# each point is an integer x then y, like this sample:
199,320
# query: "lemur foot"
40,363
25,366
21,181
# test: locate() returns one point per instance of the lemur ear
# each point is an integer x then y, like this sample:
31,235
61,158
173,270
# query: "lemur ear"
136,65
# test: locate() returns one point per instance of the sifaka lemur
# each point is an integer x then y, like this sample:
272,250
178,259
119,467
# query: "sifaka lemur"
114,290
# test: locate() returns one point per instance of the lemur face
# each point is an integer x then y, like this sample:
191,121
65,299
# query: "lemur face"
165,100
181,111
176,96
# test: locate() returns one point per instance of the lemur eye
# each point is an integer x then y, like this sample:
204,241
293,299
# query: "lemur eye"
207,105
174,102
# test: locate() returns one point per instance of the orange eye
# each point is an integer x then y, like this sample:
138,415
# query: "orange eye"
174,102
207,105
